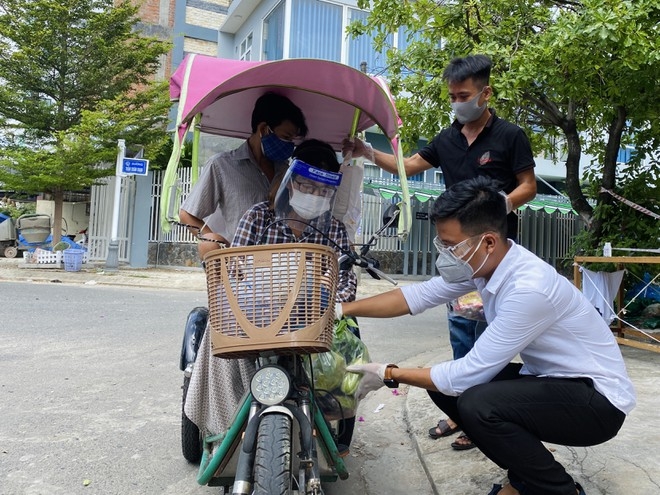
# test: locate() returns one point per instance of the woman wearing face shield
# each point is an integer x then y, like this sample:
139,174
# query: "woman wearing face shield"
299,209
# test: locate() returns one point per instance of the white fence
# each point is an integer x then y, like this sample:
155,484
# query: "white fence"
178,233
549,235
100,218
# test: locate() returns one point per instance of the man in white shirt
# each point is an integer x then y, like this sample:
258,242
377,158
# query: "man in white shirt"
572,387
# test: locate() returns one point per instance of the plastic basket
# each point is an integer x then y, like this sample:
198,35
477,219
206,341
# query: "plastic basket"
277,298
73,259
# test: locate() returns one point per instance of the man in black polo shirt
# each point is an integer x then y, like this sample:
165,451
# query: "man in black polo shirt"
477,143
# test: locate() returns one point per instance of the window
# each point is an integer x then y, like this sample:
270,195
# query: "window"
438,178
246,48
405,38
316,30
625,154
559,151
361,49
371,171
273,34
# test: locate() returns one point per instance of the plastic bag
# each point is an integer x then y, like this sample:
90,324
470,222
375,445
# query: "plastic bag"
348,203
335,387
469,306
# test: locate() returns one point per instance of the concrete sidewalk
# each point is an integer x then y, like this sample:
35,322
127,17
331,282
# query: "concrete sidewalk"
626,465
95,274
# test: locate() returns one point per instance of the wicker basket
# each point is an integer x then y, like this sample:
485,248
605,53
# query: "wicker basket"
276,298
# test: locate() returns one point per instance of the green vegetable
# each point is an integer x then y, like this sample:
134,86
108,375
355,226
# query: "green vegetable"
330,373
329,368
348,405
350,383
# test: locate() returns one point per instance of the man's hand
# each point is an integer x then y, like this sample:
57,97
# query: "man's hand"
357,148
507,201
372,377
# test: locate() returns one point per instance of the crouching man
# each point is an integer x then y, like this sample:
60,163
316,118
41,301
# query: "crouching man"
572,387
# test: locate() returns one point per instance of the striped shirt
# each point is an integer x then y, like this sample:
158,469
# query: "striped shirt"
256,227
230,183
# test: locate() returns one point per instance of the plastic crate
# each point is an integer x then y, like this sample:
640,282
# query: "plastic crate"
43,256
73,259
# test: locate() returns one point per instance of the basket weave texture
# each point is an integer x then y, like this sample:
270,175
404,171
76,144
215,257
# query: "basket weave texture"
73,259
278,298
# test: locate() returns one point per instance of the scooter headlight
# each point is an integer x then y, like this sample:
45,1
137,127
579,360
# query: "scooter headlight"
270,385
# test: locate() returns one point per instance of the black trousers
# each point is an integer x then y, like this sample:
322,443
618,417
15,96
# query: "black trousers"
509,417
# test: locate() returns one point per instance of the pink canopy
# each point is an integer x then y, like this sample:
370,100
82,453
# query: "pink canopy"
224,92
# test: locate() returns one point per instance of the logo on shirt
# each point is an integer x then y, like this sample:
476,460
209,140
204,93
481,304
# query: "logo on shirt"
484,159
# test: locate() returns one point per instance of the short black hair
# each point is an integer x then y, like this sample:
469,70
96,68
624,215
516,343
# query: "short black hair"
475,67
477,205
318,154
275,109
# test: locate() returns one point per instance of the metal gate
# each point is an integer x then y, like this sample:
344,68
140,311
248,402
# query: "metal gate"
100,218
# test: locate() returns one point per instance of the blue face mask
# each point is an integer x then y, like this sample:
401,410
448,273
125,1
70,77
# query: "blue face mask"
276,149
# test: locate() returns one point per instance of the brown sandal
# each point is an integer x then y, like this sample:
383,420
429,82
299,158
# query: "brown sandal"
444,428
458,445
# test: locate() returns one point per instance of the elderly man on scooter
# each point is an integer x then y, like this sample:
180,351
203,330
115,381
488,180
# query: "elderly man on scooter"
572,387
299,209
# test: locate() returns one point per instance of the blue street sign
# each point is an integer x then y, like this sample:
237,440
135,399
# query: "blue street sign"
134,166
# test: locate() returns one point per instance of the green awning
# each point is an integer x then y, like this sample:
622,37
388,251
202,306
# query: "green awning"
549,206
422,194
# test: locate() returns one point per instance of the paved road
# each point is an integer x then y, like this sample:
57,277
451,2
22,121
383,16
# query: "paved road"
90,392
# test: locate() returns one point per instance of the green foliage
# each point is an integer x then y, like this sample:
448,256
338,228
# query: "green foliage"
160,160
624,226
61,246
76,78
18,209
575,75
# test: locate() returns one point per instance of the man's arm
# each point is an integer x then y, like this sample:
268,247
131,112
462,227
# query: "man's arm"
375,374
413,165
417,377
525,190
385,305
197,227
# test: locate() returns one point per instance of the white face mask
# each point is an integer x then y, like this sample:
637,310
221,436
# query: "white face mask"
454,270
468,111
309,206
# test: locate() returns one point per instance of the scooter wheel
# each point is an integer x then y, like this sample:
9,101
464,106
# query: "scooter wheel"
191,439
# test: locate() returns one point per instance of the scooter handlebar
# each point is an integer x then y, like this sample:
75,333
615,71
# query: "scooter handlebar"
362,261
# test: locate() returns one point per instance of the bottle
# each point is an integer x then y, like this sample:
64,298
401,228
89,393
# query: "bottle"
607,249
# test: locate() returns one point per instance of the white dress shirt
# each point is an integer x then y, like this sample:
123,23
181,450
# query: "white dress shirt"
533,311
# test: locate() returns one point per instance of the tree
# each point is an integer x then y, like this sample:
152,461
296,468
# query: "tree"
583,71
74,78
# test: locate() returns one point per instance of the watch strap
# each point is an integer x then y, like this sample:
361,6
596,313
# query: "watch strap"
387,376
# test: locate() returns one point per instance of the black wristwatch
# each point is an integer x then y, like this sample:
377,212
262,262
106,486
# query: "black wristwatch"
387,377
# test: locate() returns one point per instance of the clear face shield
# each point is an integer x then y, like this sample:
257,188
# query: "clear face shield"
306,197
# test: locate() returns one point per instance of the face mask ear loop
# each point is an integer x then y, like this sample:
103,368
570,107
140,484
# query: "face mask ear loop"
474,272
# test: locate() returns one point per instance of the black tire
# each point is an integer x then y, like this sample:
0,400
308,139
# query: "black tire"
191,440
272,461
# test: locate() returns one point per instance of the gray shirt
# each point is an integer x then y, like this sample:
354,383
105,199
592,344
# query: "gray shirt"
230,183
